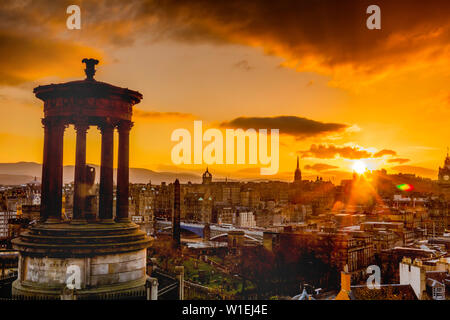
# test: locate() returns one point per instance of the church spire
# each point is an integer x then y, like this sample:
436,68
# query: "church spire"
298,173
447,161
299,168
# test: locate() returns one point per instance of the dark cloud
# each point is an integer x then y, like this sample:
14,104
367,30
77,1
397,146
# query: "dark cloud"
384,152
398,160
317,35
331,151
161,116
320,167
291,125
243,65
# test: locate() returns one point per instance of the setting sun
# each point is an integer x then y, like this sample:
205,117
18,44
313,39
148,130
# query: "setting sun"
359,167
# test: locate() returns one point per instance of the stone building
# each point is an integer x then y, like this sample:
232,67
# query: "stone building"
198,207
354,249
245,219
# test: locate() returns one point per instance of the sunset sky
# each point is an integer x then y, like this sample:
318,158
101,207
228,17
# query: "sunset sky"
344,92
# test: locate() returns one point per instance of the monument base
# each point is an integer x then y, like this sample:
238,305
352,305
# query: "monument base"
97,260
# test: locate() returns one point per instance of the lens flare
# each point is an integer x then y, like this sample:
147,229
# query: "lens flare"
405,187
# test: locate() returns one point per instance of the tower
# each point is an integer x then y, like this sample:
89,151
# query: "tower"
444,172
298,173
206,177
444,177
176,214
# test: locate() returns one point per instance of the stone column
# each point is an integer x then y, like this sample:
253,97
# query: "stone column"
79,197
123,172
45,167
53,171
106,174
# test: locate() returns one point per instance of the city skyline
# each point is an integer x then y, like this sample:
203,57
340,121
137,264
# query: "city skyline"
224,150
23,172
378,96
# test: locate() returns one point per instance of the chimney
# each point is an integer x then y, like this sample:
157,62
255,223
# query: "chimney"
346,277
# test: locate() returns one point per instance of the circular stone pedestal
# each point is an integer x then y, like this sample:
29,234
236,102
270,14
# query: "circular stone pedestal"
102,261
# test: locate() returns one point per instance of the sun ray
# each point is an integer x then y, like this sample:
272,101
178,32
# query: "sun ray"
359,166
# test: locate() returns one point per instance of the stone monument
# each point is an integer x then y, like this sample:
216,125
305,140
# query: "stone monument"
101,257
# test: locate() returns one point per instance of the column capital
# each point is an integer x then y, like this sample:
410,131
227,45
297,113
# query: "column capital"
105,126
81,124
46,122
125,125
52,122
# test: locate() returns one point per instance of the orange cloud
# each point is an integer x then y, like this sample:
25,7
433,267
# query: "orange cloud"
398,160
384,152
331,151
27,58
320,167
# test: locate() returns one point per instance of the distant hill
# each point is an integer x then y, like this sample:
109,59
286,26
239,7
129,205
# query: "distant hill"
24,172
21,168
14,179
139,175
419,171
